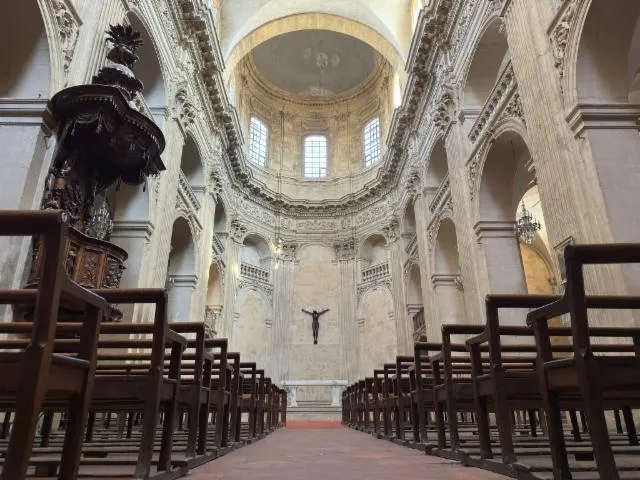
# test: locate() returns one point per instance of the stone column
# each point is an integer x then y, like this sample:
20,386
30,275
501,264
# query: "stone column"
282,296
449,300
503,262
27,148
428,299
396,267
181,294
347,277
237,231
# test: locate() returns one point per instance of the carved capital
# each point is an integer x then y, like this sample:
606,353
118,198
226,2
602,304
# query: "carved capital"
392,231
345,249
444,111
237,231
289,251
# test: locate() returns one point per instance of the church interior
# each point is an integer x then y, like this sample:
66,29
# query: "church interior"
282,224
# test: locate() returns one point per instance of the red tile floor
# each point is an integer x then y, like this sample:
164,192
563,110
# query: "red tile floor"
331,454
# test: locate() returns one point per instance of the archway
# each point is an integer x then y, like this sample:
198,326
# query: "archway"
213,309
536,256
414,302
446,280
437,167
192,167
250,327
25,72
181,274
607,94
378,336
191,163
506,177
373,251
149,72
256,252
489,61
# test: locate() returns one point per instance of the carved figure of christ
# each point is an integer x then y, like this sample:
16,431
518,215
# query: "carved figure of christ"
315,322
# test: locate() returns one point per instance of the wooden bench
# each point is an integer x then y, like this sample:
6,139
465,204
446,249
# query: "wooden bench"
603,382
36,375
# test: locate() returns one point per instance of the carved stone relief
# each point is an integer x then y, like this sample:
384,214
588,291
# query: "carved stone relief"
345,249
68,30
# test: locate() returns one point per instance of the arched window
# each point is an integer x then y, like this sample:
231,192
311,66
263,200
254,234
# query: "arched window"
371,142
315,156
258,136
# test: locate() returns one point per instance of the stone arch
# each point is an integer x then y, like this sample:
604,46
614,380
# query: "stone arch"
377,327
373,250
437,167
446,279
248,39
149,68
191,163
490,57
220,221
603,84
250,326
26,66
413,294
181,270
409,219
602,57
256,251
506,175
214,298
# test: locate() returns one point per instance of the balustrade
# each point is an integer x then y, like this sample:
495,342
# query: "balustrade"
253,272
375,272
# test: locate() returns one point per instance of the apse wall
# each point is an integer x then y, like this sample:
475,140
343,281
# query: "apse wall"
315,286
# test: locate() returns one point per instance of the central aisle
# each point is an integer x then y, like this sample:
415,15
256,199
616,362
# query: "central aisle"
335,454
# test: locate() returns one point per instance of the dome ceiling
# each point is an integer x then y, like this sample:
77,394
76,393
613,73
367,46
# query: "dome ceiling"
315,62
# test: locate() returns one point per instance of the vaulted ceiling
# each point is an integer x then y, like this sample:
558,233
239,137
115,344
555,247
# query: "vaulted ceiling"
390,18
315,62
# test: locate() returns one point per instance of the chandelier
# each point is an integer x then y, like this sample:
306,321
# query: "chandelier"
526,226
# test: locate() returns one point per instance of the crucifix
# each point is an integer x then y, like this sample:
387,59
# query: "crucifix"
315,323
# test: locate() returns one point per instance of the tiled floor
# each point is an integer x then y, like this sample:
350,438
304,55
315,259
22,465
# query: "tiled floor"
340,454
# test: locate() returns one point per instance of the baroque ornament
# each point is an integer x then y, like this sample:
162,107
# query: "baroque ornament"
237,231
392,231
560,34
345,249
444,111
185,111
68,31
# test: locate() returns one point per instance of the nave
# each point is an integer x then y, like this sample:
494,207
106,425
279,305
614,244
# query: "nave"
332,453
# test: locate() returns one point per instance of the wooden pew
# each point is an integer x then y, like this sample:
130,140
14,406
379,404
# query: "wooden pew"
378,403
603,382
422,390
36,375
248,398
402,393
235,400
504,387
452,394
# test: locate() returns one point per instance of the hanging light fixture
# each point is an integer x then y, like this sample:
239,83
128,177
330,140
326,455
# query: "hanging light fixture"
526,226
